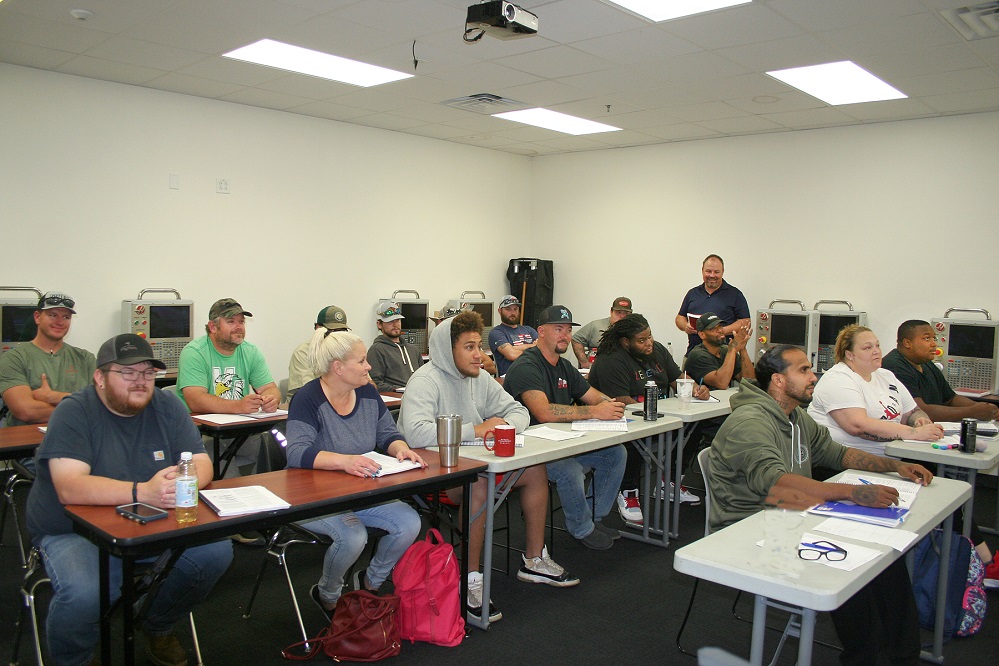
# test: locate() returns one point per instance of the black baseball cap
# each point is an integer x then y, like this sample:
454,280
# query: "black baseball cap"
127,349
556,314
707,321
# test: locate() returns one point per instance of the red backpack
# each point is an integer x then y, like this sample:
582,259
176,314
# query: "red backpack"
426,582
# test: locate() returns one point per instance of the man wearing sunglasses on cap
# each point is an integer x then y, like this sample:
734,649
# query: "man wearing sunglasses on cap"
35,377
393,360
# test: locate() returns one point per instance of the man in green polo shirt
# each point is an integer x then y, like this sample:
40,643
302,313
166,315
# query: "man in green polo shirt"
35,377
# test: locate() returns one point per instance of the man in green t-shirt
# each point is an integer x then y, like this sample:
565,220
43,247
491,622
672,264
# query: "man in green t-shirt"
35,377
220,373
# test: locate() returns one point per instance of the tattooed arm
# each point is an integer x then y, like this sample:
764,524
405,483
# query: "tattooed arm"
855,421
598,406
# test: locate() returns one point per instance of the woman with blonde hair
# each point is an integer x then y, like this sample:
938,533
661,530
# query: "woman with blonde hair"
861,403
332,422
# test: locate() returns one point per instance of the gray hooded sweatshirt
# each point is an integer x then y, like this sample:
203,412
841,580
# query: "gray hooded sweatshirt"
756,446
438,388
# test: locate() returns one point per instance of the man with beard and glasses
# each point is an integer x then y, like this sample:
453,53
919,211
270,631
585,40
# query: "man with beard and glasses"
763,456
587,339
453,383
552,390
115,442
627,358
714,295
510,339
715,363
393,360
37,376
220,373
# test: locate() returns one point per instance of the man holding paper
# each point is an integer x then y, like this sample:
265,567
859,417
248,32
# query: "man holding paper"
763,456
546,383
116,442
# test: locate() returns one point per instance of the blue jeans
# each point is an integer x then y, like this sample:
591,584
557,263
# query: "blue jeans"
569,475
349,533
71,562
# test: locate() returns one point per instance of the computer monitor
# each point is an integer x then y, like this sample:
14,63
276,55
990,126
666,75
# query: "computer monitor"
168,325
830,324
416,323
968,353
17,323
788,327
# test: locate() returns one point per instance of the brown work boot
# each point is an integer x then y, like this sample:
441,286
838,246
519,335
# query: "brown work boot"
165,650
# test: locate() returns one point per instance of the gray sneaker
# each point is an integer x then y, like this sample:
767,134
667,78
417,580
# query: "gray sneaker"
597,540
544,570
609,531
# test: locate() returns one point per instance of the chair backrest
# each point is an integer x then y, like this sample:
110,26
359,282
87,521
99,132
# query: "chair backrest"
705,465
283,387
172,388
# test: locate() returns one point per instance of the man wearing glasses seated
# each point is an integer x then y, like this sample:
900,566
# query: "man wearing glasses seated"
763,456
36,376
112,443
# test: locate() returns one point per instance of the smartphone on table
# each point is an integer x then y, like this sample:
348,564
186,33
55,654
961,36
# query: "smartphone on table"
140,512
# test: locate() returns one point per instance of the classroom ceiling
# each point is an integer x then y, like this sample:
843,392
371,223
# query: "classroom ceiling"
694,78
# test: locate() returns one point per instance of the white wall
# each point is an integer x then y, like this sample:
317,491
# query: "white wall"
898,218
320,212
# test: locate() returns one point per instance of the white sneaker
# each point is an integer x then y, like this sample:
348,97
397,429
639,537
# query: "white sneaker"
685,495
544,570
629,507
474,606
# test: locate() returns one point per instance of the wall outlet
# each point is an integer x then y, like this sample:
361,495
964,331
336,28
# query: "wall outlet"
222,186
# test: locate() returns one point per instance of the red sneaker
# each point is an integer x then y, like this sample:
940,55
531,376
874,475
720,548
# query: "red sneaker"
991,581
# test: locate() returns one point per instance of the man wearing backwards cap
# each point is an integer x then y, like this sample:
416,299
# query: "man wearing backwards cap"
219,373
510,339
300,372
587,339
115,442
714,363
36,376
393,360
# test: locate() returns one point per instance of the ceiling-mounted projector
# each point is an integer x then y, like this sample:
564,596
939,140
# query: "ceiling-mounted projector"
502,20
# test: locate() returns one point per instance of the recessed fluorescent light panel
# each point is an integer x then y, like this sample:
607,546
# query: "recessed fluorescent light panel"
838,83
315,63
559,122
664,10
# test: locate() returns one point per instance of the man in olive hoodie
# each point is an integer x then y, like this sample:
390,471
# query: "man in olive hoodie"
763,456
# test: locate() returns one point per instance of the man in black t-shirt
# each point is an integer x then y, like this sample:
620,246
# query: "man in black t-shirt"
551,389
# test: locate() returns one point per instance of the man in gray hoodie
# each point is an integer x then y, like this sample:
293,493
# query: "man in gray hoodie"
763,456
452,383
393,360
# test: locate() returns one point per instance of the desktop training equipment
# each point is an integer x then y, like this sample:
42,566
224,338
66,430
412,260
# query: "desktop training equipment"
830,324
788,327
167,325
967,351
416,321
17,319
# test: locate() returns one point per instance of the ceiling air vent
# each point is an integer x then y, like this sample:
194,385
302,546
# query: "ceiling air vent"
484,103
975,22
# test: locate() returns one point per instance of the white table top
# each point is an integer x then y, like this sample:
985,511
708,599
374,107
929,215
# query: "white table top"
730,556
537,451
924,452
700,410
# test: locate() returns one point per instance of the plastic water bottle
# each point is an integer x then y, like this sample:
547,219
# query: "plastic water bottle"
187,490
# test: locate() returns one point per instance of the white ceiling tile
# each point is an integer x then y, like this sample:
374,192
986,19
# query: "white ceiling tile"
646,43
965,102
437,131
542,93
69,37
657,98
192,85
964,80
893,109
682,132
32,56
484,76
734,26
145,54
264,98
233,71
570,143
568,21
555,62
387,121
109,71
744,85
820,15
925,30
695,67
309,87
745,125
788,100
706,111
913,62
797,51
610,81
824,116
330,110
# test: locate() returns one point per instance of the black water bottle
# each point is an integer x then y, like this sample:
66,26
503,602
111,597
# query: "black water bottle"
651,401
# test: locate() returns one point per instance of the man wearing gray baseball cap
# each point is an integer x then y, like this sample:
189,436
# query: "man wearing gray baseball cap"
393,360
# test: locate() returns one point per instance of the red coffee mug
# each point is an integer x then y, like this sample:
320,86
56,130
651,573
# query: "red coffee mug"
505,437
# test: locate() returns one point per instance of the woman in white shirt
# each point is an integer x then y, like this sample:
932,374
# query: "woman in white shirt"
861,403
